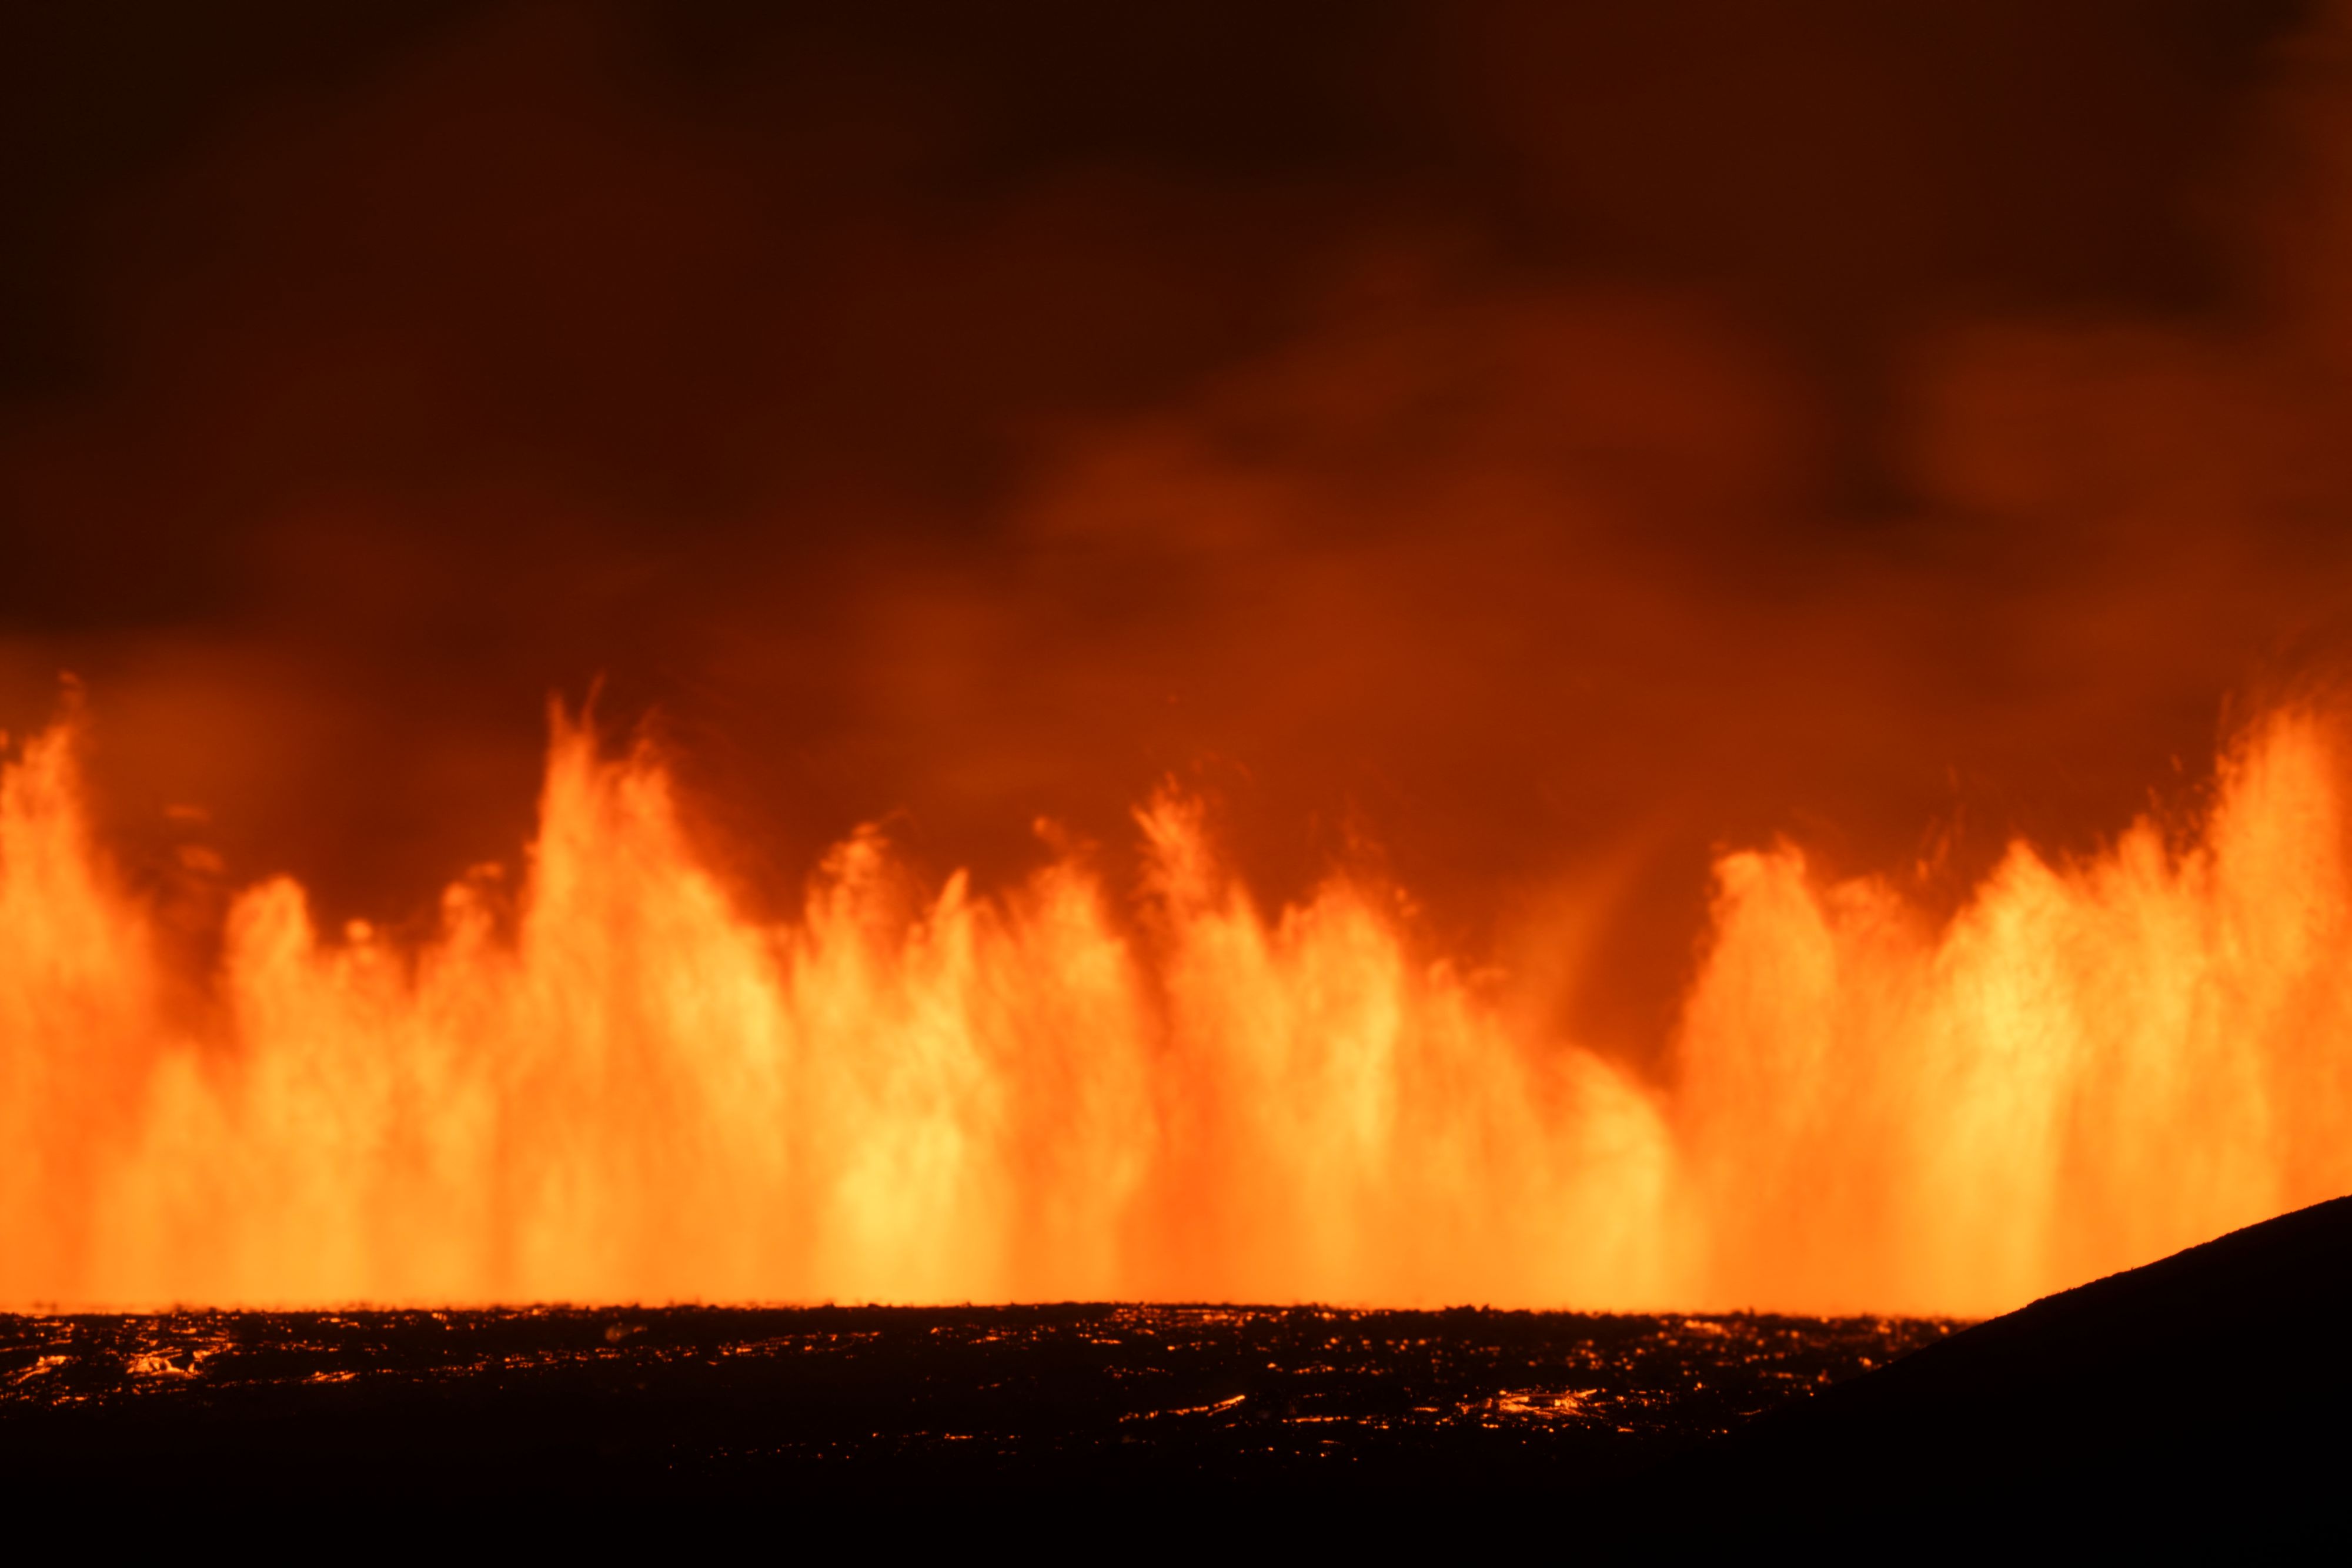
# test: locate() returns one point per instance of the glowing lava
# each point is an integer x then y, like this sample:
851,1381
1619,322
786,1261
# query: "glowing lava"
624,1088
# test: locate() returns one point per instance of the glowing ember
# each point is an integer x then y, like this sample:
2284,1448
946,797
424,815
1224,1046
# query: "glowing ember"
618,1087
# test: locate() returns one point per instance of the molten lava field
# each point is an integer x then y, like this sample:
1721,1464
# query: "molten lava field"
820,1402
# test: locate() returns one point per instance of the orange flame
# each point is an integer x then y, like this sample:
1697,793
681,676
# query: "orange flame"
2091,1066
637,1092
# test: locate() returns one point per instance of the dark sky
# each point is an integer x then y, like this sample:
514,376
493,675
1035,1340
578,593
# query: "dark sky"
1547,443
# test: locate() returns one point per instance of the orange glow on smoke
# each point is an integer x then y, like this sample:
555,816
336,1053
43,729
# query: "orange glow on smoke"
608,1082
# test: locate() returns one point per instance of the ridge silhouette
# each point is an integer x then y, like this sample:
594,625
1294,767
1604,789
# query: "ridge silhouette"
2207,1389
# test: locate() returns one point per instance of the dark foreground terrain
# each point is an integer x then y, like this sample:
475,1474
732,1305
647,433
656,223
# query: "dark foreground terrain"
2209,1394
827,1402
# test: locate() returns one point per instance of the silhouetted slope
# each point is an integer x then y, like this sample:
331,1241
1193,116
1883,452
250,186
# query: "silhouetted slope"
2208,1388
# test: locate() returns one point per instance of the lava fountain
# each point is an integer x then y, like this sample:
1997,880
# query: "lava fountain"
606,1081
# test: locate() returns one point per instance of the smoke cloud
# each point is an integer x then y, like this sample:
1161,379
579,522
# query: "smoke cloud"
1532,446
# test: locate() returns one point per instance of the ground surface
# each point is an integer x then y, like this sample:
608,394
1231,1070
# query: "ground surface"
2209,1392
2207,1395
836,1400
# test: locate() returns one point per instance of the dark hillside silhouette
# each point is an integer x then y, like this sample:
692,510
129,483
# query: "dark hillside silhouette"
2206,1390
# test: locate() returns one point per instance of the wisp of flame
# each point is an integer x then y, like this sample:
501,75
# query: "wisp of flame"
615,1086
